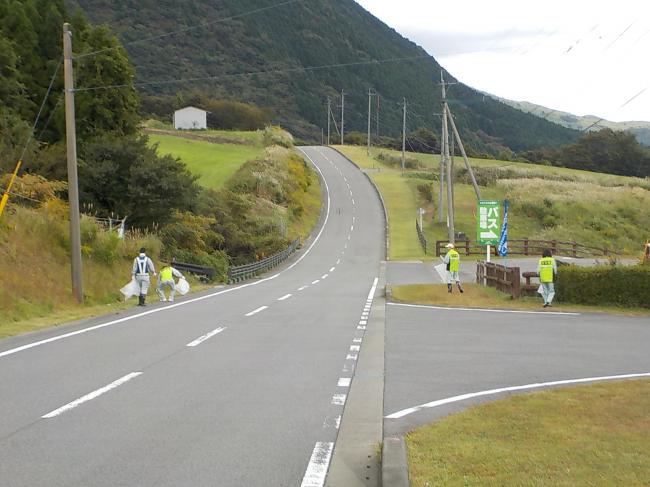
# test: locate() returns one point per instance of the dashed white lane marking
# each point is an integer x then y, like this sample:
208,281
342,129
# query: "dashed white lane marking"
477,310
354,218
351,356
363,322
354,348
349,237
344,382
255,311
357,340
338,261
346,246
337,422
463,397
316,281
286,296
91,396
353,203
324,276
339,399
361,327
332,269
302,288
203,338
352,228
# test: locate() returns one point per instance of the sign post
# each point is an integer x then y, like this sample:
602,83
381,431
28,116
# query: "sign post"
488,224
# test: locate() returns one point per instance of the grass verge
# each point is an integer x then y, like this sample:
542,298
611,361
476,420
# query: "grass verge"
213,163
481,297
594,435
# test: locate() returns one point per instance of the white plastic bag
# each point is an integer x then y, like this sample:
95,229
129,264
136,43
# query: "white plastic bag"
131,289
183,286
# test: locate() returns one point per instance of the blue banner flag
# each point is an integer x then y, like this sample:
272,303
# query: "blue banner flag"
502,248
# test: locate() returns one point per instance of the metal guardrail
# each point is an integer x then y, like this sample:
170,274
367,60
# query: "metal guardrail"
204,273
246,271
421,237
527,246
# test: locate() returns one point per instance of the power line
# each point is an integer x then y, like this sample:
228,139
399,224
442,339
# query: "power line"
255,73
188,29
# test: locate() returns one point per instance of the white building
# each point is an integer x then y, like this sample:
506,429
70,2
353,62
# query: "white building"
190,118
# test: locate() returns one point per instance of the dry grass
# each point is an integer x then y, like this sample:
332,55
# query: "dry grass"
594,435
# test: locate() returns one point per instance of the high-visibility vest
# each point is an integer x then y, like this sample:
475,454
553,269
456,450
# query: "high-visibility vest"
546,265
454,260
166,274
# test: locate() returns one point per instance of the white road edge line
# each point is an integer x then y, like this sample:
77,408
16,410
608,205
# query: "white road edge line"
203,338
189,301
286,296
255,311
318,466
344,382
91,396
485,310
463,397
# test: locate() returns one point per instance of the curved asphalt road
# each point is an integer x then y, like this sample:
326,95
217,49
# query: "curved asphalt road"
435,354
264,384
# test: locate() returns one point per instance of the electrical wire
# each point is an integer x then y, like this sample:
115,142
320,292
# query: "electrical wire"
188,29
38,116
254,73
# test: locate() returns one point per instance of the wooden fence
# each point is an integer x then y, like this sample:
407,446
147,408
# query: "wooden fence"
528,247
502,278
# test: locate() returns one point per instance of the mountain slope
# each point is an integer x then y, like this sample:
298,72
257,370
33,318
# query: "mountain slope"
302,34
641,130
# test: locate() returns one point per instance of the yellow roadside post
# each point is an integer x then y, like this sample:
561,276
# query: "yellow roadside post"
5,196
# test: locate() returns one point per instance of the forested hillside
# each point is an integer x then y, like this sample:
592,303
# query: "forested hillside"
277,42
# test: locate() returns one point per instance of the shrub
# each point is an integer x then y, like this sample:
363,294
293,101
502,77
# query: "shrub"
627,286
274,135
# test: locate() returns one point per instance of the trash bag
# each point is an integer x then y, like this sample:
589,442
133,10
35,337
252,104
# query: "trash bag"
183,286
540,289
130,290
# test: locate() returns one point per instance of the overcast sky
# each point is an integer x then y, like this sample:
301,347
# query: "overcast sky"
579,56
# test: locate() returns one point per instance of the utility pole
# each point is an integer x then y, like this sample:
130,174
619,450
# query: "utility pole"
329,114
73,188
378,97
446,157
342,115
404,137
369,113
462,151
443,142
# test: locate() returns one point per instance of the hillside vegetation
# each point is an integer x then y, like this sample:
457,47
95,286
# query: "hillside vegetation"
275,42
547,202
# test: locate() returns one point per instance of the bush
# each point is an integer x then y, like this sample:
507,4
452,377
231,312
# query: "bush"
605,285
274,135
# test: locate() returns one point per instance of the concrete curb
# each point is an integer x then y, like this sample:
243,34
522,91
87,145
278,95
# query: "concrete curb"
394,464
381,198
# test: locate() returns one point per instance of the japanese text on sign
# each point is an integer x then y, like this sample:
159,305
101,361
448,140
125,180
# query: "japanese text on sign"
488,224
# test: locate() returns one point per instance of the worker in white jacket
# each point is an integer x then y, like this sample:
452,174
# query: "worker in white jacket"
167,274
142,267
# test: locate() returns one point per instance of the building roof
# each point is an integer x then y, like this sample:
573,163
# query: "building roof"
191,107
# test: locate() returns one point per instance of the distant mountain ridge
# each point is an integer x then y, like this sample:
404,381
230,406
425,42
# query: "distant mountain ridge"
277,42
588,122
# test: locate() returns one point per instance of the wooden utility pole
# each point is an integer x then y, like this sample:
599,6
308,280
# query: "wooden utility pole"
329,115
450,182
73,187
443,143
369,114
462,151
342,115
404,137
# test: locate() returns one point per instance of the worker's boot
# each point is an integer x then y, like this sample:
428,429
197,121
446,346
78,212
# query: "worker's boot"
141,300
459,288
449,288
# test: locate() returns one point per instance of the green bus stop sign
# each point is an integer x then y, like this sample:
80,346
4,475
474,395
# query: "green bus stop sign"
488,222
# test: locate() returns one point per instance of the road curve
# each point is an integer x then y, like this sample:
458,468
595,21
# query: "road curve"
242,387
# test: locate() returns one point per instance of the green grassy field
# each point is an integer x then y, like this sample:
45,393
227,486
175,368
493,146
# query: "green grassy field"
595,435
547,203
213,163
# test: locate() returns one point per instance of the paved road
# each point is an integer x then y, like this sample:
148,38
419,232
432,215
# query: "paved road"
257,397
433,354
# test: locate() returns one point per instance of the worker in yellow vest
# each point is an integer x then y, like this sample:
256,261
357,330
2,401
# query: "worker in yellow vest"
166,279
452,261
547,269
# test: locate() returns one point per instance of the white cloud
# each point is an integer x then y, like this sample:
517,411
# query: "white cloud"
584,57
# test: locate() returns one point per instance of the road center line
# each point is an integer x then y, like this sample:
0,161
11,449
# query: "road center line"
463,397
255,311
286,296
302,288
316,281
91,396
332,269
203,338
